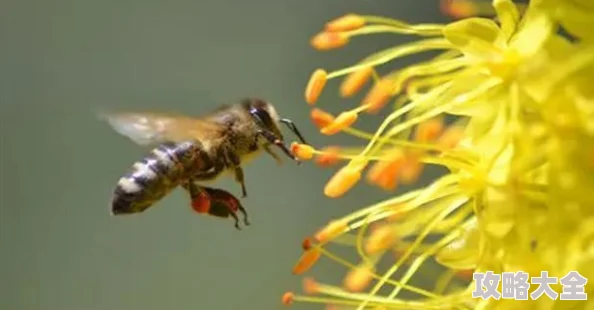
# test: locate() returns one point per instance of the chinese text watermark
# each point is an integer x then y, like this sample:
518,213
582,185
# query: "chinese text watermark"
515,285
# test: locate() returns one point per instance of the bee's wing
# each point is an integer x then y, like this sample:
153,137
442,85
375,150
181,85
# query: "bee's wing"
147,128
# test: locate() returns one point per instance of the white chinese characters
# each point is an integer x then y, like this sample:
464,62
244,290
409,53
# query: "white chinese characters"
516,286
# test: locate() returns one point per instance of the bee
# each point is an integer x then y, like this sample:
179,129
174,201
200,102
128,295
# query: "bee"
190,152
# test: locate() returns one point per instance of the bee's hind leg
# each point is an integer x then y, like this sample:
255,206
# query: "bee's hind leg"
220,208
236,220
215,202
225,203
200,199
245,216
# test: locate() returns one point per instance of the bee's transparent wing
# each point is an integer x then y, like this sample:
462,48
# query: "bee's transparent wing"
153,128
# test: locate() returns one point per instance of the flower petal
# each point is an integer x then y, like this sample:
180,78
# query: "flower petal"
577,19
508,15
462,252
537,27
477,38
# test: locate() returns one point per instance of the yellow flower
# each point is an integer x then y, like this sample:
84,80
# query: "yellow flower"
575,16
520,157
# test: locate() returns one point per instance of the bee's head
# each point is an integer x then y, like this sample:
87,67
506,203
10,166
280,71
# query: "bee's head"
265,115
267,119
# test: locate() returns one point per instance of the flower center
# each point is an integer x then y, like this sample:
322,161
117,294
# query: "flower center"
505,66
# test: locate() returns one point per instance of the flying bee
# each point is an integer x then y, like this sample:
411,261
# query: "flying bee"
192,151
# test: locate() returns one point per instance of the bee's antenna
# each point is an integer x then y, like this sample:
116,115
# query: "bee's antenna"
293,128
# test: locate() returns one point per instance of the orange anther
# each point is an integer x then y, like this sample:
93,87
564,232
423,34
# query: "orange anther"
307,260
465,274
321,118
310,286
345,23
342,182
412,169
315,85
378,96
358,279
451,137
329,156
302,151
458,8
355,81
396,217
429,131
344,120
329,40
358,163
380,239
287,298
384,173
332,230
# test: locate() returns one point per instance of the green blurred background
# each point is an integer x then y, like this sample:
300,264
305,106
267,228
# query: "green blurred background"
61,60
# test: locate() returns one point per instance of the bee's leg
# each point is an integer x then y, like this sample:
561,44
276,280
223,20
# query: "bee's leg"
221,209
200,199
236,220
239,176
224,199
245,215
214,202
273,154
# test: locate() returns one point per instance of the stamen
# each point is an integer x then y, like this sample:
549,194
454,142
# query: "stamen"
358,279
324,41
406,28
381,238
358,163
302,151
307,260
458,8
321,118
328,156
425,30
287,298
451,137
316,84
391,54
306,244
345,23
332,230
345,179
344,120
465,274
355,81
411,169
310,286
384,173
379,96
429,130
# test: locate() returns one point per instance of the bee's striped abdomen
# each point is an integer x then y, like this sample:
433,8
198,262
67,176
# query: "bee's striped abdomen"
156,175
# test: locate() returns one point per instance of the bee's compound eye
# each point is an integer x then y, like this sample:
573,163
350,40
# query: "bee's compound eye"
262,115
